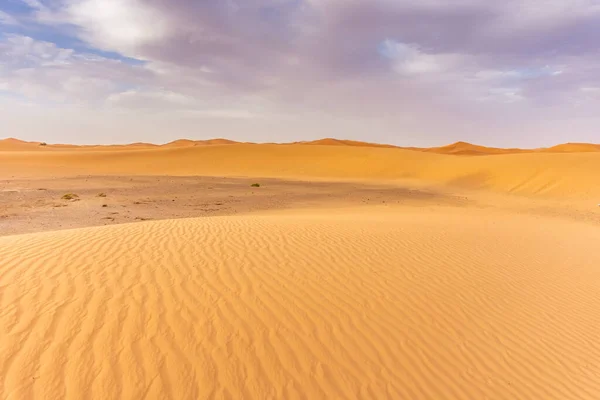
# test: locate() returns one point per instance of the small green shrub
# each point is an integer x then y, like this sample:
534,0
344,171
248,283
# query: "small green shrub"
255,185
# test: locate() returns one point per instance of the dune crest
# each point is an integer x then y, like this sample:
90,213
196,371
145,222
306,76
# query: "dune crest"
343,142
457,149
464,148
573,148
16,144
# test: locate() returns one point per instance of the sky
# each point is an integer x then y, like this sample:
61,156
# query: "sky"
522,73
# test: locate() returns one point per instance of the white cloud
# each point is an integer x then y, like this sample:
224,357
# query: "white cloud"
44,72
590,89
517,74
527,14
504,95
7,19
172,102
23,50
410,60
162,100
494,74
121,25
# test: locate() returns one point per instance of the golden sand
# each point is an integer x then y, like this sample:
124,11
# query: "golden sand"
560,175
373,302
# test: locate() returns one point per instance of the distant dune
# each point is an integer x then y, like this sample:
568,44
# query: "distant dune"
191,143
12,144
573,148
16,144
457,149
341,142
536,173
468,149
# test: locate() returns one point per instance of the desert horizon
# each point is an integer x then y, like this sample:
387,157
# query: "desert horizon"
299,200
458,148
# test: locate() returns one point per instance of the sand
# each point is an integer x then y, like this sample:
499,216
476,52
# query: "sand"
358,273
558,175
422,305
36,205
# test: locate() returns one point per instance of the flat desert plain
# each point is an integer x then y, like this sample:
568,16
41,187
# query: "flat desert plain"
352,272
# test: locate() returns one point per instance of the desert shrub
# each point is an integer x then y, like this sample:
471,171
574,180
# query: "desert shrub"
101,194
255,185
70,196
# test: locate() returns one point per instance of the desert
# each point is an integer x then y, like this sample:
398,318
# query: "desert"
299,199
255,271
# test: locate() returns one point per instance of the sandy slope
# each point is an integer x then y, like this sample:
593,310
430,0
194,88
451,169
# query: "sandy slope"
573,148
468,149
438,304
343,142
574,175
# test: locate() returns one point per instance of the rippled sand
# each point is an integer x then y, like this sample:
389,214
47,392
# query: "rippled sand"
431,304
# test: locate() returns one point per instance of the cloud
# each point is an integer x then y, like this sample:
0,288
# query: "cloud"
410,60
44,72
124,25
23,51
392,63
518,74
7,19
588,89
504,94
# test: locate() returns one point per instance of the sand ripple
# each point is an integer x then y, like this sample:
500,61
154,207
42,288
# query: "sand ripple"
340,306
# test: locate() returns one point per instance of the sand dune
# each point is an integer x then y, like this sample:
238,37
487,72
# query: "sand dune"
468,149
435,300
573,148
318,306
568,175
12,144
343,142
190,143
457,149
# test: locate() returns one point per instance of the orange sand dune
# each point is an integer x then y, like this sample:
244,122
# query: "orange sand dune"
189,143
458,148
406,301
567,175
343,142
180,143
16,144
12,144
415,304
464,148
573,148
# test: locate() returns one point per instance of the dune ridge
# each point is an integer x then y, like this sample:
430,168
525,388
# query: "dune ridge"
573,148
458,148
343,142
468,149
564,175
297,306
